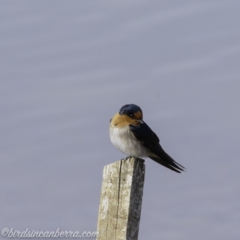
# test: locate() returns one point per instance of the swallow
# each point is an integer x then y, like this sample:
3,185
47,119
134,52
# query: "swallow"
132,136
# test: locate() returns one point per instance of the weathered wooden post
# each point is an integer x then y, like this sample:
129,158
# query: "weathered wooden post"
121,200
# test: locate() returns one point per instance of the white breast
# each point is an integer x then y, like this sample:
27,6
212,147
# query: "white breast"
124,140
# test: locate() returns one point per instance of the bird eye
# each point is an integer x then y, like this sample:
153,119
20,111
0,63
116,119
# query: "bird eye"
131,115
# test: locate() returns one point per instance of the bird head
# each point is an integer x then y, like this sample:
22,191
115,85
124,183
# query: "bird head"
132,111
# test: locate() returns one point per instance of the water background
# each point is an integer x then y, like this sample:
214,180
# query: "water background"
66,67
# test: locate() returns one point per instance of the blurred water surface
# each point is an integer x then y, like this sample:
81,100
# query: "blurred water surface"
68,66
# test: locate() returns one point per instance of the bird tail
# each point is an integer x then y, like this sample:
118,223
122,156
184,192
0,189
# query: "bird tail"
164,159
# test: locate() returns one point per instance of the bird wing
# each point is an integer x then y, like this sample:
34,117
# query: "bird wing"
150,140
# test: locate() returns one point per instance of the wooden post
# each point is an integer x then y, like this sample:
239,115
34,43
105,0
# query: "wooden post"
121,200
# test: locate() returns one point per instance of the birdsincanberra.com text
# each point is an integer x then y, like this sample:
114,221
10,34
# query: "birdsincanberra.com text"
13,233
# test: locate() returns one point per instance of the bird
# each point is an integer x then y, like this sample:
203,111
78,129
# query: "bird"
132,136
